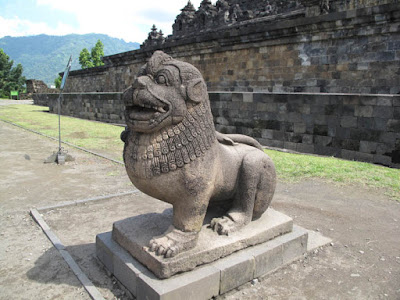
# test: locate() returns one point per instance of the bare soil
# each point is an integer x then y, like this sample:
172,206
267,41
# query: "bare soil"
362,263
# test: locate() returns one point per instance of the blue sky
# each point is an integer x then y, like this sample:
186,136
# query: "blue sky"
130,20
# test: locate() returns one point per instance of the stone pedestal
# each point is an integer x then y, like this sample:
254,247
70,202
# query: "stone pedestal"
223,262
133,234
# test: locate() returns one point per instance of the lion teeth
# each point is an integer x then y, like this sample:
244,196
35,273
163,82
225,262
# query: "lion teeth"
161,110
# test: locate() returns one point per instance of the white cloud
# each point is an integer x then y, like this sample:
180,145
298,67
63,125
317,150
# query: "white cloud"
121,18
19,27
130,20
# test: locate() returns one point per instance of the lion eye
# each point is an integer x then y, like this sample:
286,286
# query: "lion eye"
161,79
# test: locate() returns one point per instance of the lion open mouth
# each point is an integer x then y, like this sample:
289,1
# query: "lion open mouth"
145,112
151,114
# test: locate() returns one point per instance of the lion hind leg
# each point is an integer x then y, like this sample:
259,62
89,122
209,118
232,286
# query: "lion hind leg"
253,195
265,188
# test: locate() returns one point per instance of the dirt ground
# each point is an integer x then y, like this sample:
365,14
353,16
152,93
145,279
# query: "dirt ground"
362,263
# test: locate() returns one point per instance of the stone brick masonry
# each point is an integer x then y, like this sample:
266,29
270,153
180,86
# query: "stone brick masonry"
350,126
351,51
313,76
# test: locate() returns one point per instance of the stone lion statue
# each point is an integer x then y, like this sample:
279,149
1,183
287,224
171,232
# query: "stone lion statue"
173,153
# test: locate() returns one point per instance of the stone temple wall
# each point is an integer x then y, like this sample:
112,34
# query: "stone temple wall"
348,51
350,126
317,76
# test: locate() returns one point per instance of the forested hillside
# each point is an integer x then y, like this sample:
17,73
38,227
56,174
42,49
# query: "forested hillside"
43,56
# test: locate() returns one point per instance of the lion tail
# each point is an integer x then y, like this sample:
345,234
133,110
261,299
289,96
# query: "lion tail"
231,139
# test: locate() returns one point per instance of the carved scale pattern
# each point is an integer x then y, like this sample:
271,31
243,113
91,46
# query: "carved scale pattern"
173,147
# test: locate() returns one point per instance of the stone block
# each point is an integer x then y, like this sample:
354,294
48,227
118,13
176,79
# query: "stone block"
348,110
364,134
290,146
328,151
294,244
236,269
368,147
323,140
396,113
267,257
363,111
202,283
279,251
127,270
380,124
382,160
385,112
308,139
237,97
366,157
247,97
275,143
393,125
348,122
105,250
320,130
388,138
349,144
366,100
384,101
293,137
267,134
367,123
305,148
347,154
299,127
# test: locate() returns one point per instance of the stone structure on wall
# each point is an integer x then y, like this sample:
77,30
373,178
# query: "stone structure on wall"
155,38
38,86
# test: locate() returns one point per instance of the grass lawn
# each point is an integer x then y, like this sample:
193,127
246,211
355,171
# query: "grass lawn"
104,138
98,137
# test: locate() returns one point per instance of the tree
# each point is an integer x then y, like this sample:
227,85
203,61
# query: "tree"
57,82
98,53
11,79
85,60
93,59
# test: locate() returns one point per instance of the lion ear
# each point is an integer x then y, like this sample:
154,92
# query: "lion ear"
196,90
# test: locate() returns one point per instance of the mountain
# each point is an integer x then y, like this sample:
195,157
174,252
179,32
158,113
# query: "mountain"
44,56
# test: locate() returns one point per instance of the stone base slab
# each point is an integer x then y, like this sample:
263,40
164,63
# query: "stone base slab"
209,280
134,234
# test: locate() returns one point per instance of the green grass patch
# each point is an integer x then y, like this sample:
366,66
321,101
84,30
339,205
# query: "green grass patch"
104,138
295,167
98,137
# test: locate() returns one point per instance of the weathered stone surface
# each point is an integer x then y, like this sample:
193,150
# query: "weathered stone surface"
200,284
236,269
173,153
134,234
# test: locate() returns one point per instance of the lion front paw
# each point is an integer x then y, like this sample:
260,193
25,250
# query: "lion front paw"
173,242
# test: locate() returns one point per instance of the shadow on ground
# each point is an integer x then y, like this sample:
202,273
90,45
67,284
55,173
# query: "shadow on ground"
47,270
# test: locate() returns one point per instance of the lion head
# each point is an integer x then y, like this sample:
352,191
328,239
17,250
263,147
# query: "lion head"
162,94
